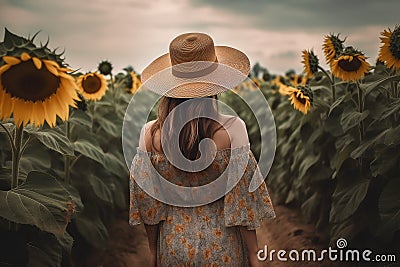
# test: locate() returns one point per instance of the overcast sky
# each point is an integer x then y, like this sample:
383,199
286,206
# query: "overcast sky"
134,32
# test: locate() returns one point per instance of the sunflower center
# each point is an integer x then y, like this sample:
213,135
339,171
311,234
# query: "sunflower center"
301,99
25,81
347,65
91,84
394,46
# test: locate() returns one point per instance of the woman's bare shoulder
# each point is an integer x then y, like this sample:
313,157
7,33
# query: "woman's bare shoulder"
145,136
234,133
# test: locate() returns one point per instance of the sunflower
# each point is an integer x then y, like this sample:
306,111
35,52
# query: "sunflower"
332,47
92,86
35,90
297,80
301,98
136,83
350,65
105,67
390,50
282,85
310,61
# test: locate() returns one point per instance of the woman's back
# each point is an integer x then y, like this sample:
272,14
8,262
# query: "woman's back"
206,234
236,137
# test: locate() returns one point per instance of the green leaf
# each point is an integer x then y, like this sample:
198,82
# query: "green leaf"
115,165
385,161
338,102
119,192
100,188
368,144
110,123
345,146
79,117
368,87
52,139
391,109
389,209
90,149
348,195
307,163
91,227
352,119
66,241
44,250
41,201
35,157
9,126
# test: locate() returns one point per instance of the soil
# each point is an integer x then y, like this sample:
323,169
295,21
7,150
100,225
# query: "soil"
128,245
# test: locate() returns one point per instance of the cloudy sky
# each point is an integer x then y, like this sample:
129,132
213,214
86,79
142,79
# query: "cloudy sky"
134,32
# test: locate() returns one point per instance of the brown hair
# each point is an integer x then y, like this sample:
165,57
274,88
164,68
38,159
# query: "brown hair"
194,131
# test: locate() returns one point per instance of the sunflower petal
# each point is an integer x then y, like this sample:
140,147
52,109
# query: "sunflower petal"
51,62
6,104
11,60
4,68
50,111
37,62
51,68
25,56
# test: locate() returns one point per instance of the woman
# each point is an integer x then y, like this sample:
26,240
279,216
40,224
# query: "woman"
206,231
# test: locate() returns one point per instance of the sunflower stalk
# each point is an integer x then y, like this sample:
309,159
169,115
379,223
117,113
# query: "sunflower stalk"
331,81
75,161
10,138
16,155
25,145
361,124
67,158
114,93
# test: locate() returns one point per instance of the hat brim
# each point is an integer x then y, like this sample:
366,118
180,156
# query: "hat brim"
227,56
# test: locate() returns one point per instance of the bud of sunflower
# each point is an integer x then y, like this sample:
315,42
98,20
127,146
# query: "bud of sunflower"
267,76
350,65
34,82
105,67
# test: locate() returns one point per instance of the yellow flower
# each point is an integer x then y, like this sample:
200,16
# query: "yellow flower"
301,98
310,61
35,90
390,50
297,80
332,47
92,86
351,65
282,85
136,83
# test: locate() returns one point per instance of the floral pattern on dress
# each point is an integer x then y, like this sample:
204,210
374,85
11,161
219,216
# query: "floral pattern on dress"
205,235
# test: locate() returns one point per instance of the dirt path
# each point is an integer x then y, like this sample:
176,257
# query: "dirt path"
128,245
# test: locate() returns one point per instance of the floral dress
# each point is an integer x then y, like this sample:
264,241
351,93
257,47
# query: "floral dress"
205,235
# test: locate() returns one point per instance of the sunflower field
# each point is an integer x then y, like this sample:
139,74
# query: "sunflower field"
63,175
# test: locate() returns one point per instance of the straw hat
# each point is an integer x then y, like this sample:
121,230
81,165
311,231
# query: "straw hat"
194,67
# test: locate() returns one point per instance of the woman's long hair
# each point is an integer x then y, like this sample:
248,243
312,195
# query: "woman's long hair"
199,127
